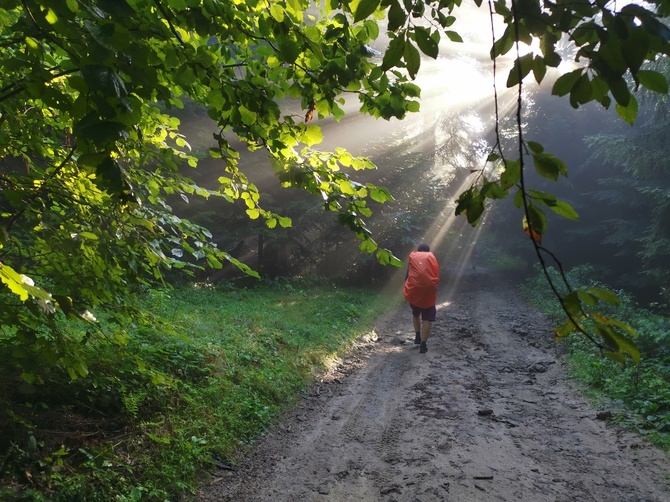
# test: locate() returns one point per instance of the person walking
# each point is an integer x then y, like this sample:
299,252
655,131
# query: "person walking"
420,291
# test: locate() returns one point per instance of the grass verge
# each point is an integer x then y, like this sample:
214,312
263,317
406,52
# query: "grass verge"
191,389
639,394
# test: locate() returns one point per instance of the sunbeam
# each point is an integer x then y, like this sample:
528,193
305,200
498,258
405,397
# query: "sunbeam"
425,160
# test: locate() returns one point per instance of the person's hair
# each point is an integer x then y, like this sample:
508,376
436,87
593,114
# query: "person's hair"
423,247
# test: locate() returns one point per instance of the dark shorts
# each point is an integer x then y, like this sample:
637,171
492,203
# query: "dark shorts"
426,314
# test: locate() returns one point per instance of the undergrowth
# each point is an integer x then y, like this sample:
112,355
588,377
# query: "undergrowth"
639,392
188,390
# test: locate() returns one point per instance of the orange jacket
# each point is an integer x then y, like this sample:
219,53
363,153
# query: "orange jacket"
423,274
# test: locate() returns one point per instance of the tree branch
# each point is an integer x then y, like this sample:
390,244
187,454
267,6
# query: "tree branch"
37,194
522,186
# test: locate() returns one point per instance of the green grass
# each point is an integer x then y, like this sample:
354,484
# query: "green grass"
639,394
496,258
198,385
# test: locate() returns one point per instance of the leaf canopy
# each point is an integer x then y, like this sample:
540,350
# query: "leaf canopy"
90,152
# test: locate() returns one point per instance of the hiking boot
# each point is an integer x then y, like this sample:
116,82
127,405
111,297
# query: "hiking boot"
417,339
423,348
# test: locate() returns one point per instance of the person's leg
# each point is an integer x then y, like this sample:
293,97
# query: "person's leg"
416,321
427,318
425,330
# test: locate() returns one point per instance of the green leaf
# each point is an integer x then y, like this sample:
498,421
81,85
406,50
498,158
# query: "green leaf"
609,331
615,356
635,48
104,80
620,91
277,12
345,187
565,329
288,49
557,206
243,267
413,106
412,59
587,298
396,16
653,80
511,175
625,327
444,20
385,257
365,8
582,92
394,53
520,69
110,176
471,204
503,44
51,17
564,209
359,163
294,6
33,44
572,304
604,295
543,197
425,42
29,377
549,166
628,112
368,246
13,281
178,4
537,219
518,199
379,194
248,117
539,68
454,36
213,262
599,88
100,132
493,190
565,83
313,135
552,59
372,28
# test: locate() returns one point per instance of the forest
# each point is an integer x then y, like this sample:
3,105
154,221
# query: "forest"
204,204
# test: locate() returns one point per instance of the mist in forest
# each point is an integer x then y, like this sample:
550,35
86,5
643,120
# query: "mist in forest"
428,159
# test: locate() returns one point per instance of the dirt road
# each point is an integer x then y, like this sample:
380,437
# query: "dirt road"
485,415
